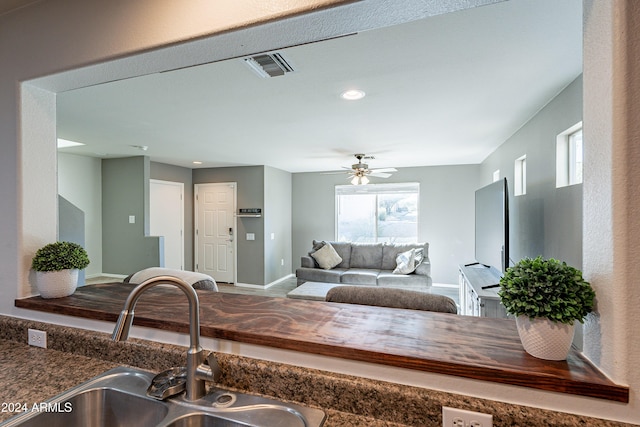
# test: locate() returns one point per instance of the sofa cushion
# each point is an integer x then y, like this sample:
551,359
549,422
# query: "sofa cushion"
366,255
390,252
360,276
394,298
319,275
392,280
326,257
342,248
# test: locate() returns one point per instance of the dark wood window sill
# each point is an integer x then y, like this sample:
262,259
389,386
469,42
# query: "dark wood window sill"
469,347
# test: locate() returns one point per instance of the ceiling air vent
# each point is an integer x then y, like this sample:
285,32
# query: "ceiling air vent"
269,64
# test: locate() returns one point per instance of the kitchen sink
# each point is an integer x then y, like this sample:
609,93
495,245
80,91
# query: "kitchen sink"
118,398
204,420
100,407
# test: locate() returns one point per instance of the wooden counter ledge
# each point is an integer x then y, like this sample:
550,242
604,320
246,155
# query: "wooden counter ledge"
479,348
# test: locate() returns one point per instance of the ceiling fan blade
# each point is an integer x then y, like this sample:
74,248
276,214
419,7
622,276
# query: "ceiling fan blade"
332,173
380,174
383,170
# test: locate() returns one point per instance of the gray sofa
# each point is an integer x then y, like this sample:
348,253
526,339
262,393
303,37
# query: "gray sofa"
369,264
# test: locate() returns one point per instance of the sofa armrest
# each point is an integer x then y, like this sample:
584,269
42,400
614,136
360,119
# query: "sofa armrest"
424,269
307,261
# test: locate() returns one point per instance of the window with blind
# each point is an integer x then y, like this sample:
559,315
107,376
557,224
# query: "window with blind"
377,213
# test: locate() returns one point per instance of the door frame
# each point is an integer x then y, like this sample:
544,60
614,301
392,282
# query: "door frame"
234,186
182,231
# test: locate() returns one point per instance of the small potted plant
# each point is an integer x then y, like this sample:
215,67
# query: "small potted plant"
56,266
547,297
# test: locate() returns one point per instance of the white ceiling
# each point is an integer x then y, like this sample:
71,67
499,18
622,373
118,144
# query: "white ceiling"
444,90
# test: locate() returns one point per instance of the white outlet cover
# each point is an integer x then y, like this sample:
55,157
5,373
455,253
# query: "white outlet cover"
251,236
471,419
37,338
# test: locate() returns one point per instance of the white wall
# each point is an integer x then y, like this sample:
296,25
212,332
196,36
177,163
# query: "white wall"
53,36
80,182
446,217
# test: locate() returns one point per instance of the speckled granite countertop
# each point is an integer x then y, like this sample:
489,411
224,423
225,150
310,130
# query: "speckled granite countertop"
33,375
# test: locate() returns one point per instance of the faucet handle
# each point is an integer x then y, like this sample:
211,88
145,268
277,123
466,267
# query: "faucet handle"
216,372
209,370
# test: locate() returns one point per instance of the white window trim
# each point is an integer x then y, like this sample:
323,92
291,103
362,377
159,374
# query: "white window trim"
564,166
520,176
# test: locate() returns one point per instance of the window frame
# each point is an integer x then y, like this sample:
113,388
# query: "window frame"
520,176
377,190
566,157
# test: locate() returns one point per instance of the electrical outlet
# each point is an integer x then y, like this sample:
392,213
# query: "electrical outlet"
453,417
37,338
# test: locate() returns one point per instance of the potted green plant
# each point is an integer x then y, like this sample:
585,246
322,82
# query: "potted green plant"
547,296
56,266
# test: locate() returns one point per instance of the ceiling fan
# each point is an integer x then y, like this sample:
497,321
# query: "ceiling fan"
359,171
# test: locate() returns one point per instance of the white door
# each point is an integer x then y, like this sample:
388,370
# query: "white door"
166,218
215,230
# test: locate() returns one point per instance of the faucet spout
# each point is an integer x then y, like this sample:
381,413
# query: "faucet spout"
195,387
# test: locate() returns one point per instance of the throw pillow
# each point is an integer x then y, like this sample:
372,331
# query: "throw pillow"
316,246
406,262
419,256
326,257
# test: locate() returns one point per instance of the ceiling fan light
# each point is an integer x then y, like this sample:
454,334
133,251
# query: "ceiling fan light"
364,180
355,180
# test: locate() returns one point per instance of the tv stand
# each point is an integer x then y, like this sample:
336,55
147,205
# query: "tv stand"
479,286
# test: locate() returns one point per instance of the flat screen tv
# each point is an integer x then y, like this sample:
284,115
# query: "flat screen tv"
492,225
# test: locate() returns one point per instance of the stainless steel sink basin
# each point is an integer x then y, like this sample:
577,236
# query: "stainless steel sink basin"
101,407
204,420
118,398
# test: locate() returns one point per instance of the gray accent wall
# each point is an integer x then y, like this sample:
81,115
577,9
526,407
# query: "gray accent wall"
250,194
546,220
446,218
71,228
80,182
277,224
164,172
127,247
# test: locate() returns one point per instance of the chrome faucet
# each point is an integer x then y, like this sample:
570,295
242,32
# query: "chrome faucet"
198,371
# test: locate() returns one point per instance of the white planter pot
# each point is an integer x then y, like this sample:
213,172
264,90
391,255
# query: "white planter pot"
545,339
57,284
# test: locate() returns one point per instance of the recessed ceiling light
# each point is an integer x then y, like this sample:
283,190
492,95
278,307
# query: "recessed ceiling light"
197,163
352,94
65,143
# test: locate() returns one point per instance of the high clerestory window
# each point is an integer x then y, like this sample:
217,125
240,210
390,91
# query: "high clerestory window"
520,176
569,155
377,213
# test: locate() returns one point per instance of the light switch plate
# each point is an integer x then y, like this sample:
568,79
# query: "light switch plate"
251,236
